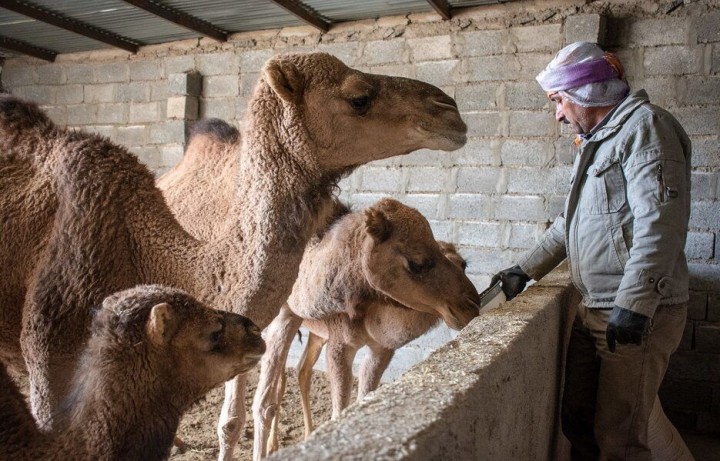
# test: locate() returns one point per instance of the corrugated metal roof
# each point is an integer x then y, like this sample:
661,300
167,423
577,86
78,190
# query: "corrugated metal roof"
138,25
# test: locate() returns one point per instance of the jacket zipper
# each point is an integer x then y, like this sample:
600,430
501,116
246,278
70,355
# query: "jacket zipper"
661,183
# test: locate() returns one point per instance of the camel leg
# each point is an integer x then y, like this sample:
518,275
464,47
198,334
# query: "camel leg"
232,416
371,370
49,384
339,358
309,358
274,442
279,337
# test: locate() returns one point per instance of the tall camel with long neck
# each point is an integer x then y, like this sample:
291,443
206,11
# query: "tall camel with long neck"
84,218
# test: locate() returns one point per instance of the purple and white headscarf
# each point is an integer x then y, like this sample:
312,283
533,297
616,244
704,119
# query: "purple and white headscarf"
586,75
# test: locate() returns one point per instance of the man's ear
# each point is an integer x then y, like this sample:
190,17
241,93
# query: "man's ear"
162,324
285,79
377,225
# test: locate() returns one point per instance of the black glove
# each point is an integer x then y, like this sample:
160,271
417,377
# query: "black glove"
626,326
513,281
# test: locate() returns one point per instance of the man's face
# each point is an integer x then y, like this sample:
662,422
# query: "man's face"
571,114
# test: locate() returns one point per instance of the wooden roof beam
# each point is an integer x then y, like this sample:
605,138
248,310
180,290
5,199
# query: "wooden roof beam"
181,19
305,13
26,48
442,7
50,17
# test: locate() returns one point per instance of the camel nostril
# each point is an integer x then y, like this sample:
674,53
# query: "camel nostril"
445,102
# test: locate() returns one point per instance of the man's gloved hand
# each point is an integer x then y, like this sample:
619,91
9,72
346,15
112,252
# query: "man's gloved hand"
513,281
625,326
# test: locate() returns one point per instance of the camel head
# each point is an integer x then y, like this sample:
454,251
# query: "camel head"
352,117
201,347
402,260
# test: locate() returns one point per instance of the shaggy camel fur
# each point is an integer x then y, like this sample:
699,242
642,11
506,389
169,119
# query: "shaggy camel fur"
154,351
98,224
383,326
209,152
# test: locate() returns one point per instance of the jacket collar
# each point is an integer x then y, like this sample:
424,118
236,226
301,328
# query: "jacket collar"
615,119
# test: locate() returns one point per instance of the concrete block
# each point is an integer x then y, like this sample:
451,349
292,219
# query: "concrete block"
484,123
79,73
694,366
534,181
57,114
657,32
253,61
158,90
713,312
132,92
535,123
704,214
525,95
505,67
546,38
396,70
225,109
382,180
706,153
220,86
471,207
521,208
700,245
523,236
35,93
81,114
182,107
704,185
482,180
131,135
478,96
715,60
144,112
662,90
111,72
427,204
442,230
171,131
433,48
428,180
526,152
584,28
672,60
531,64
702,90
384,52
107,131
146,70
171,155
247,83
150,156
438,73
484,42
99,93
112,113
480,234
422,157
14,76
478,152
707,337
685,395
189,83
697,306
217,63
179,64
686,342
51,74
705,122
707,27
556,204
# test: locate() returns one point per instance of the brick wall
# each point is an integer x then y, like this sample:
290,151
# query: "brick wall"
495,196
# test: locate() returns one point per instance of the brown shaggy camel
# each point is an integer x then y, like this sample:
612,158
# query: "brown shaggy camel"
384,326
209,154
385,255
85,218
154,351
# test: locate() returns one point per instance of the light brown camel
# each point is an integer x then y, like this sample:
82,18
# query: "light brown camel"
154,351
209,152
383,255
85,218
383,326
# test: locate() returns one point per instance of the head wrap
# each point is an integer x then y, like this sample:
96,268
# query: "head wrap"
583,73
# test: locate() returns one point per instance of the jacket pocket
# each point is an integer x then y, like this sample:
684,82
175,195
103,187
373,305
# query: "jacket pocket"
606,186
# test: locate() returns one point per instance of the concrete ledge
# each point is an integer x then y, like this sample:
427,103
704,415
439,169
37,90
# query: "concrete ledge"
492,393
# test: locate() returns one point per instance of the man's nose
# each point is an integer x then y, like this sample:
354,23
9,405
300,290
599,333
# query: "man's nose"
559,116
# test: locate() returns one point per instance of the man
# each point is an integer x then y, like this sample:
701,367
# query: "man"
623,231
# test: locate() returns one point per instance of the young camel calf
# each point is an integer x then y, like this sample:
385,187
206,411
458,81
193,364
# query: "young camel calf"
154,351
383,326
384,255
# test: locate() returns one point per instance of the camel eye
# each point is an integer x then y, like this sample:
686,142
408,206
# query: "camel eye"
360,105
421,268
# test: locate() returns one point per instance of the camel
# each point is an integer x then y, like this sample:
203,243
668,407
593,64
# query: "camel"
209,153
85,219
153,352
383,326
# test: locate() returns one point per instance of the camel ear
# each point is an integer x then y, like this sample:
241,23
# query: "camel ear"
377,225
162,324
285,79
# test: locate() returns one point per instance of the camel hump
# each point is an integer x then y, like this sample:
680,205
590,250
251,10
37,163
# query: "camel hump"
17,114
215,127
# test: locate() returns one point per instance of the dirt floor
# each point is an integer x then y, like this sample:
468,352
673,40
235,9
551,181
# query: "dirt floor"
198,427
